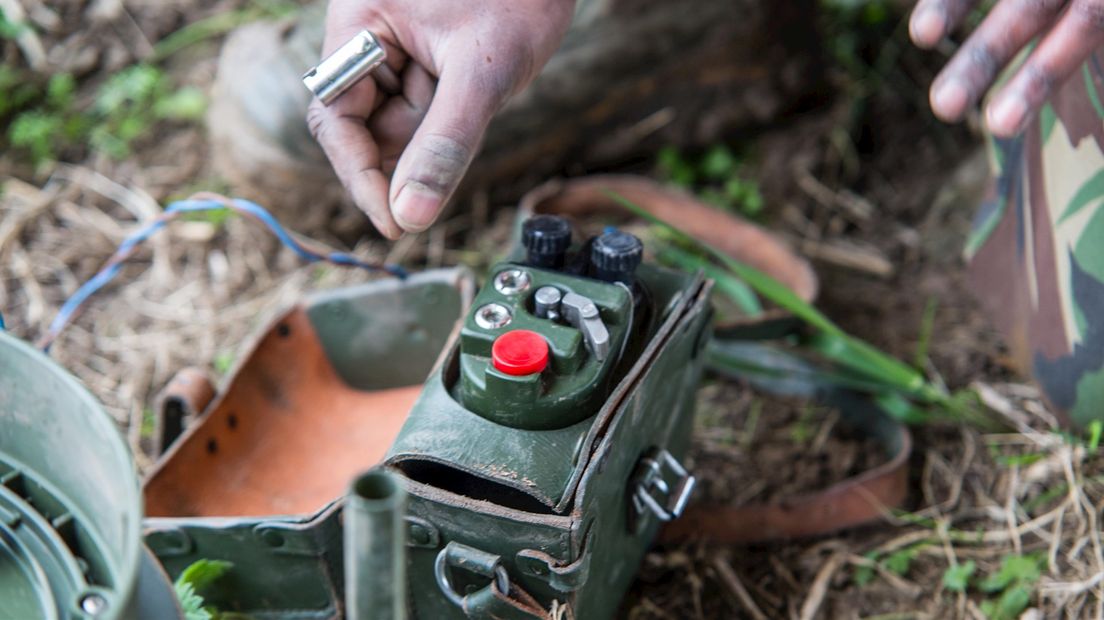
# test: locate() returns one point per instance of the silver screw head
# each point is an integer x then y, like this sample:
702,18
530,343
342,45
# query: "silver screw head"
93,604
493,316
511,281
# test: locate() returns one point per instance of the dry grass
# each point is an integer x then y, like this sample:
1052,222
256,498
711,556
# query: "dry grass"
977,498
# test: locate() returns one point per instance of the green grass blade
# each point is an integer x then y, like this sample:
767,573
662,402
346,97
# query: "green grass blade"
762,283
829,340
733,288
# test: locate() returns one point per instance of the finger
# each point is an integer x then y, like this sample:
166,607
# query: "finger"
394,124
1078,33
1008,28
354,155
934,19
445,143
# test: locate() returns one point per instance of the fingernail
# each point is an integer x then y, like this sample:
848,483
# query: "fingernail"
1008,115
949,100
927,26
416,206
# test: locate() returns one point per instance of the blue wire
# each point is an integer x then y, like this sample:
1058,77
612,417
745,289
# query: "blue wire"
98,281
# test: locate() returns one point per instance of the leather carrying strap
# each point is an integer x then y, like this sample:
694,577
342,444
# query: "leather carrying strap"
858,500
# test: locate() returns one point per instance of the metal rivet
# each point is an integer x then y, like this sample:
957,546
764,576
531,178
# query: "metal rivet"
511,281
93,604
419,535
272,538
492,316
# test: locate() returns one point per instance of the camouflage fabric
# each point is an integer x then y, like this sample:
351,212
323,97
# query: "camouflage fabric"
1037,248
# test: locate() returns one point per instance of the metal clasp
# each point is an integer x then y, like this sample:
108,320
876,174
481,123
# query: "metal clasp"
651,492
457,555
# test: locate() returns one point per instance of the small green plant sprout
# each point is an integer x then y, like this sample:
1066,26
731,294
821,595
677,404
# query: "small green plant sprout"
1010,587
957,578
48,118
224,362
132,101
718,176
193,580
1094,430
10,29
900,390
38,132
149,423
899,562
864,572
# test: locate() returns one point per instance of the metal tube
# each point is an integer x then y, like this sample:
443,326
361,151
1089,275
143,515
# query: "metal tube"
375,548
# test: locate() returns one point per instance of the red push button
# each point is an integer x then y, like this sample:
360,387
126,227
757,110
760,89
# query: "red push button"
520,352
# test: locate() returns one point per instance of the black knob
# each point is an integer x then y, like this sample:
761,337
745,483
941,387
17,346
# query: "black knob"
615,255
546,239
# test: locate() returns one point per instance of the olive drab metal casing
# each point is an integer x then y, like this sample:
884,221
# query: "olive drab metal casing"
70,518
526,491
562,490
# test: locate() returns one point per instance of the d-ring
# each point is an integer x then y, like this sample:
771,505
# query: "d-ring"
501,581
349,64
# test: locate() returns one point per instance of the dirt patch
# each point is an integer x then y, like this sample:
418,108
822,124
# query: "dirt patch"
755,448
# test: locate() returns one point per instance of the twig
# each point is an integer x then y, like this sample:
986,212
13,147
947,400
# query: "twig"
819,588
38,200
735,587
849,255
135,200
27,39
1010,510
858,208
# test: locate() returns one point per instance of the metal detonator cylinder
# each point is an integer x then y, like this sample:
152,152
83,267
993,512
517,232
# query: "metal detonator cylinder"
345,67
375,548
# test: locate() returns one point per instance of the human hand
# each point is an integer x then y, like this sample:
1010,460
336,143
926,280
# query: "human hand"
402,155
1069,31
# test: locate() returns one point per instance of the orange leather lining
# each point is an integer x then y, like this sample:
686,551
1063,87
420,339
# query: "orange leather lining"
287,438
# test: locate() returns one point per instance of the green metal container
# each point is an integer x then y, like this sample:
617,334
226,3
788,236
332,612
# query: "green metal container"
70,518
511,518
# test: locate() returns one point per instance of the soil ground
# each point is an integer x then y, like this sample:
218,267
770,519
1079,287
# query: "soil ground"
866,183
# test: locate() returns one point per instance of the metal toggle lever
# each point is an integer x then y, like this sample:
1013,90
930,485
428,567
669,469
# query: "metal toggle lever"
581,313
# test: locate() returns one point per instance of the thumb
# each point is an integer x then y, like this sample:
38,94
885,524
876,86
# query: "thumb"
442,148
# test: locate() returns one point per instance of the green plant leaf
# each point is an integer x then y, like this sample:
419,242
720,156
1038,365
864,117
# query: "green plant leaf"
729,286
864,573
203,573
1014,569
223,362
10,29
1012,603
190,602
186,104
149,423
718,163
37,132
1095,428
675,167
60,91
827,338
900,561
137,84
102,139
957,578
